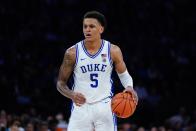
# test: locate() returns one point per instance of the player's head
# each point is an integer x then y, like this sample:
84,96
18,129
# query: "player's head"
94,24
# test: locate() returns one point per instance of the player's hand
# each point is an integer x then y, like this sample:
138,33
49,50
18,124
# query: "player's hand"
78,98
134,94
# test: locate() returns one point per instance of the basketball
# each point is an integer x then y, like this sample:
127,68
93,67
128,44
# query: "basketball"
123,105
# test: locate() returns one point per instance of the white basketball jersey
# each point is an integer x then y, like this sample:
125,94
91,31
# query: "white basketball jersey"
92,73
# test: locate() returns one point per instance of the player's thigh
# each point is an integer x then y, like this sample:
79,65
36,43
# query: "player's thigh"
109,126
79,120
105,119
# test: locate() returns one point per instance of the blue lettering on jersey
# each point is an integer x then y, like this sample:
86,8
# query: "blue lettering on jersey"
90,67
93,67
83,69
103,68
96,67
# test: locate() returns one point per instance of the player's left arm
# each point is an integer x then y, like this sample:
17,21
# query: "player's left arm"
122,71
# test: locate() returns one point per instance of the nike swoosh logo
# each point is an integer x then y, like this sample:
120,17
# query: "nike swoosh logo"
83,59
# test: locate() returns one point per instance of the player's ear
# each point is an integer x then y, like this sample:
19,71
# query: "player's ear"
101,29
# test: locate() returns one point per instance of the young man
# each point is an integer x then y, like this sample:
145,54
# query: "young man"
91,61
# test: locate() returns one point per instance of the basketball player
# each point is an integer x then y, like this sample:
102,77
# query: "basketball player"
91,61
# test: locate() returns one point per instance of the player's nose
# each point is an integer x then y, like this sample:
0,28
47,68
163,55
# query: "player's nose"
87,29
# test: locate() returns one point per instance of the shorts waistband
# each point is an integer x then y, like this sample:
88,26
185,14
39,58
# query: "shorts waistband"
91,103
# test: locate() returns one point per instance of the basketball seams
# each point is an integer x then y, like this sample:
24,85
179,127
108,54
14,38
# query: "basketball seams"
130,106
124,105
117,105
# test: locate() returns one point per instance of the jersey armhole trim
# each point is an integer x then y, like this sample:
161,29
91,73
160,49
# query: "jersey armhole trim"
109,54
77,53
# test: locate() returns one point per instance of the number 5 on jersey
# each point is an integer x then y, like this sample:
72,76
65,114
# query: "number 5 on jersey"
94,80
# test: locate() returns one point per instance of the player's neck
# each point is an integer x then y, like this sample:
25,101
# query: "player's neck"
93,45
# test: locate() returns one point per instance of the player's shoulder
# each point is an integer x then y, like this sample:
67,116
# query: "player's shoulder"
115,52
115,48
71,50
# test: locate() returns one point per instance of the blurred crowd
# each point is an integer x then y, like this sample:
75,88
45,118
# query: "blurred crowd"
157,39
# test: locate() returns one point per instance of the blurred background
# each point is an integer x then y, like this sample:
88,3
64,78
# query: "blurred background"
158,41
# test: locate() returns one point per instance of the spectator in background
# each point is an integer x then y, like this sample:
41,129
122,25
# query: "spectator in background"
15,125
126,126
62,124
43,126
29,126
141,128
179,120
3,119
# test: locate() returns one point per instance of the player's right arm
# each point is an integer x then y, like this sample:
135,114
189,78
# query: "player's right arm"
65,71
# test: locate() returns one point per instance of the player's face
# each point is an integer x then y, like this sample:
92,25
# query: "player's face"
92,29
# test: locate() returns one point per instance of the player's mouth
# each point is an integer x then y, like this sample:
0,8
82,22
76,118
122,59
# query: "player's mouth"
88,35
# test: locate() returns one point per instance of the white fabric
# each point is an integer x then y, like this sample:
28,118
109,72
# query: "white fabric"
92,74
90,117
126,79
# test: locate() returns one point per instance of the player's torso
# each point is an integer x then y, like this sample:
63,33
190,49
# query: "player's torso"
92,73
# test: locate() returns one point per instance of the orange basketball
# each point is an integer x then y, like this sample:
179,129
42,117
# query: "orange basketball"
123,105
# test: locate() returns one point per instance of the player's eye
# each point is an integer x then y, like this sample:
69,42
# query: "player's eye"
84,26
92,26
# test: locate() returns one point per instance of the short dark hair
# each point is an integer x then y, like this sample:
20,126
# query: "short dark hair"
96,15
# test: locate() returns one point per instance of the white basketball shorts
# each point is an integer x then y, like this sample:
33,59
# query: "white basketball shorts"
93,117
